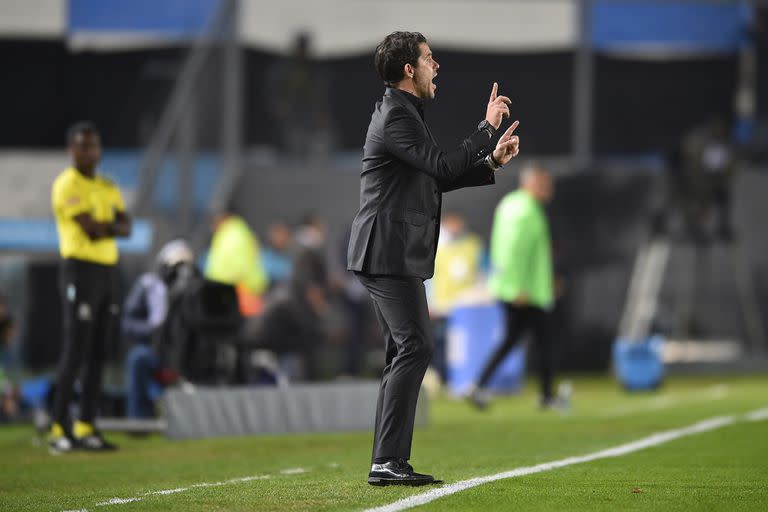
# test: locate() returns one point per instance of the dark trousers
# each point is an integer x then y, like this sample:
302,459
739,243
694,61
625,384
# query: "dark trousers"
90,308
400,304
520,319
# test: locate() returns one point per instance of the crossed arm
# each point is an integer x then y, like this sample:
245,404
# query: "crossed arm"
120,227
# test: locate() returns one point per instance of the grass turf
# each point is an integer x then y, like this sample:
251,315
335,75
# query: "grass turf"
725,469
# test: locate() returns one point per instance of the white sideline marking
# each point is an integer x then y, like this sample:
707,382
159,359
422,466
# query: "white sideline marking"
758,415
617,451
170,491
118,501
245,479
165,492
231,481
293,471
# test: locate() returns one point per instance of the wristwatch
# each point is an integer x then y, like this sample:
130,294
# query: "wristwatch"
492,163
488,127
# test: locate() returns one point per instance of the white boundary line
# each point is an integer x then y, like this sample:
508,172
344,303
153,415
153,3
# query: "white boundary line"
293,471
759,415
617,451
165,492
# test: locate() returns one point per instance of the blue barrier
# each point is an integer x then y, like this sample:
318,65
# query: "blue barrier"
639,364
39,235
122,167
174,18
473,334
653,25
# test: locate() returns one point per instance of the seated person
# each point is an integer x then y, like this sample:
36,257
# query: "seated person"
145,313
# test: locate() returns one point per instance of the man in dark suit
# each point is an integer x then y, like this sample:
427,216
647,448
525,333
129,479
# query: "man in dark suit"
394,235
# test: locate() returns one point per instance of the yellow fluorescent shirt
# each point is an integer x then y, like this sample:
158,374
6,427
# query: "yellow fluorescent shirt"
457,269
73,194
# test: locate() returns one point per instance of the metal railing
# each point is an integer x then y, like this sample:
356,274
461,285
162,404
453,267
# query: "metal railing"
177,129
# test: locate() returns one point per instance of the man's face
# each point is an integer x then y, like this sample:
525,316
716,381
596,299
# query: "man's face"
85,150
545,189
424,72
453,224
280,236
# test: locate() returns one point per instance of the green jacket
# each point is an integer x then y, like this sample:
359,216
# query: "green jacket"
521,259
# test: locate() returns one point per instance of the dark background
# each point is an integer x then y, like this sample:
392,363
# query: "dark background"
639,105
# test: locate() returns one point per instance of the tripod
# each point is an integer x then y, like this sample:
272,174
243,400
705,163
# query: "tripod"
651,270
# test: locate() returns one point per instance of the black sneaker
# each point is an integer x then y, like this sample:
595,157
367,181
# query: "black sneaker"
398,472
94,443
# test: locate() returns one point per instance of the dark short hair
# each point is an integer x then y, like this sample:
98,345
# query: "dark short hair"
84,127
394,52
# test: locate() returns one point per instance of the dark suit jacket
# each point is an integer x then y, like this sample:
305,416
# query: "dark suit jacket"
404,175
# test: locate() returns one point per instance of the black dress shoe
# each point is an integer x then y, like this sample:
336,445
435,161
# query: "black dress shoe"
398,472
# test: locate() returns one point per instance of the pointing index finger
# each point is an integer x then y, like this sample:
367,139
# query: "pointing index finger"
511,129
494,91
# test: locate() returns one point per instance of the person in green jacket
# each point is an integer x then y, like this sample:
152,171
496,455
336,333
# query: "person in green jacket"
521,277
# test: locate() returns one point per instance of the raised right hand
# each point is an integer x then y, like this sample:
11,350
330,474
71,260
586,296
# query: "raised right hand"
498,108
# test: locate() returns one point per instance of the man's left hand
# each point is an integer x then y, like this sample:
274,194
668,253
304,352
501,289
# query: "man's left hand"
508,146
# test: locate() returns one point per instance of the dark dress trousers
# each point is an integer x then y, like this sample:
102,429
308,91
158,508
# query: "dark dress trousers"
393,243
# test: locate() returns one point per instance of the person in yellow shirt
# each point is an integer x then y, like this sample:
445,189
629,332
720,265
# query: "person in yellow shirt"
90,214
234,259
458,267
458,263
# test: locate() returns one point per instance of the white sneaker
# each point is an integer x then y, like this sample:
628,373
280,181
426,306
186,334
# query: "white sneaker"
59,445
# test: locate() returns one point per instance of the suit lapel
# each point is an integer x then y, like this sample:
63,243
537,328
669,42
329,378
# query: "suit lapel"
397,96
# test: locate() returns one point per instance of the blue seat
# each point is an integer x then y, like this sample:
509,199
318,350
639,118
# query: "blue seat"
638,363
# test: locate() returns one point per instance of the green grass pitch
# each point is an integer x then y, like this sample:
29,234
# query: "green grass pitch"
723,469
